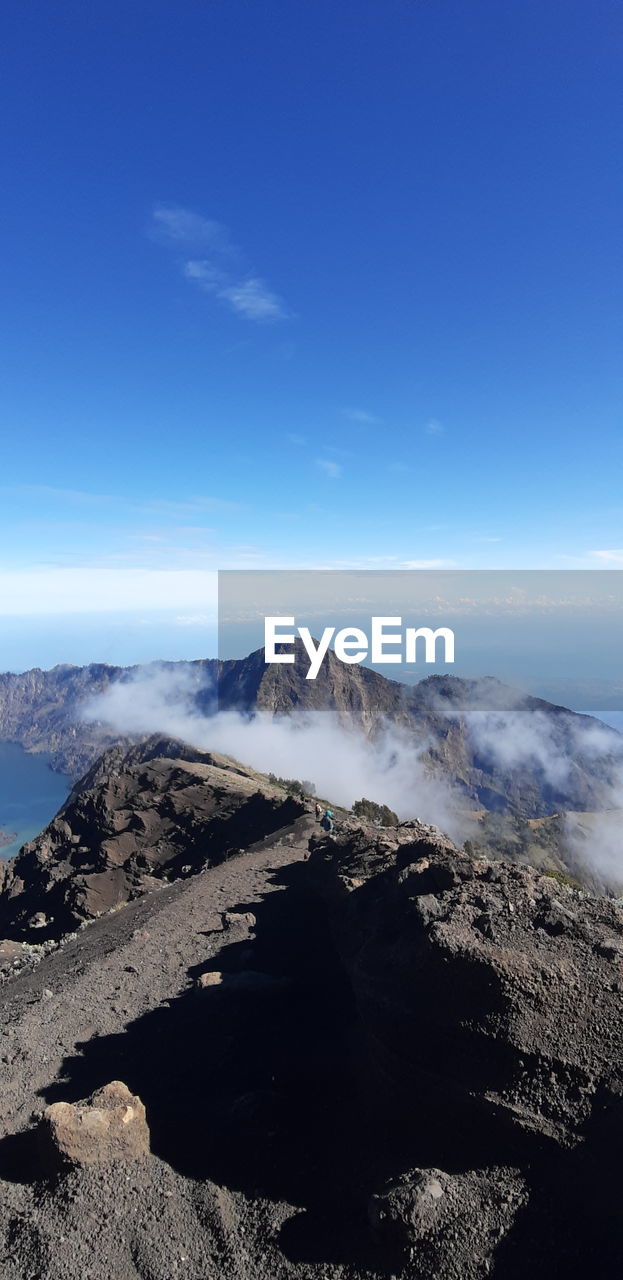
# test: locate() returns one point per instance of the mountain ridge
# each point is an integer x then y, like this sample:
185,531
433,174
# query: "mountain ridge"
42,712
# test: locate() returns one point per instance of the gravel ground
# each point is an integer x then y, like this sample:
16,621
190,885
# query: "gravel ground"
233,1078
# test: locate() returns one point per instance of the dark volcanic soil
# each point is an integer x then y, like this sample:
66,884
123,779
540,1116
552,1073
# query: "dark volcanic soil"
246,1107
382,1059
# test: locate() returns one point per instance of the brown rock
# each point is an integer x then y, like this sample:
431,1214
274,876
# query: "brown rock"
110,1125
231,919
212,979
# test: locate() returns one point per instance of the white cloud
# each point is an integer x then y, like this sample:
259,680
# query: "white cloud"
332,469
434,427
183,227
608,557
252,299
215,271
205,273
343,765
360,415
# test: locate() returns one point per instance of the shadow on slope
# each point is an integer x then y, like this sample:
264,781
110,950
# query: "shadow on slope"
254,1084
262,1085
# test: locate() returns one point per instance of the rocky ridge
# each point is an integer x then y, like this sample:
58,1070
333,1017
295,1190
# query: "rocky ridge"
386,1058
139,817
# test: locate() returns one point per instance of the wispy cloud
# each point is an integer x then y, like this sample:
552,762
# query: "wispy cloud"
609,557
332,469
205,274
194,504
217,269
183,227
251,298
194,620
361,416
293,437
434,428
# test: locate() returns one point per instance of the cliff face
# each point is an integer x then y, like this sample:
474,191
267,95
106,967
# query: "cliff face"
138,819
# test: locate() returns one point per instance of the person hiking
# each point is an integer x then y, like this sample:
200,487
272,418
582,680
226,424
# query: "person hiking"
327,822
319,811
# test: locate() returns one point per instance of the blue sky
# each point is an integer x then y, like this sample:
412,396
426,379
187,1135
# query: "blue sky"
294,284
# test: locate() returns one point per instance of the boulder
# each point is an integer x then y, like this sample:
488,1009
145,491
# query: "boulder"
244,980
110,1125
239,920
212,979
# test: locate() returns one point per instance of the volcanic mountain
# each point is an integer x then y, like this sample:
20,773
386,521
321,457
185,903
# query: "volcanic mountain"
280,1053
442,715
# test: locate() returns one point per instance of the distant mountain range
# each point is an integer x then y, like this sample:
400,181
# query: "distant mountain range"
42,711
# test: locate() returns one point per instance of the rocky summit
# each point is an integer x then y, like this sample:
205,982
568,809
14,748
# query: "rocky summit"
272,1053
137,819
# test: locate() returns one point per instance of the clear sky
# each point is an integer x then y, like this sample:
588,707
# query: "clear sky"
300,283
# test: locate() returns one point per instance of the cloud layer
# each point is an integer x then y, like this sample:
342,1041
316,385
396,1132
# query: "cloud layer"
344,765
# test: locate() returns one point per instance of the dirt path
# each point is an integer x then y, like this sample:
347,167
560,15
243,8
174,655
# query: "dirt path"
249,1087
125,964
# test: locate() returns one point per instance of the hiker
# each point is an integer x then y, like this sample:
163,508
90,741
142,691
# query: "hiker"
327,822
319,811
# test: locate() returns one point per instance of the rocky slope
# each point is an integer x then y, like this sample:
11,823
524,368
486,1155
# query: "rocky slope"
492,1003
137,819
385,1059
43,711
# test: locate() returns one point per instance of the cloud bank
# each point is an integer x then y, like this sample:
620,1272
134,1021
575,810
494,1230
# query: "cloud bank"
343,765
392,769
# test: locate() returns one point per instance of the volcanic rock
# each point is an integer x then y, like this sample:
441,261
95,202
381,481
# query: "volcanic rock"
138,819
496,982
448,1224
239,920
491,1002
110,1125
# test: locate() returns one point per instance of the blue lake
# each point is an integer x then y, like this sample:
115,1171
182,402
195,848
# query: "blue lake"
30,795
